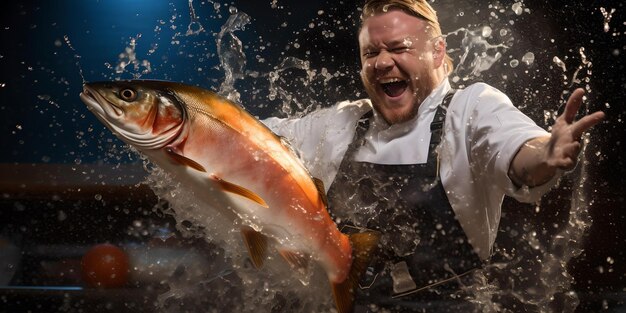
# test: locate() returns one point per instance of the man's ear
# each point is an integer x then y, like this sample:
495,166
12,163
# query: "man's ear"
439,51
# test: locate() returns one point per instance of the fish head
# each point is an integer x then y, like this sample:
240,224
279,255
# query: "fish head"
144,114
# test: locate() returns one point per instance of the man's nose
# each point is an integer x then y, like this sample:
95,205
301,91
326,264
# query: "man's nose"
384,61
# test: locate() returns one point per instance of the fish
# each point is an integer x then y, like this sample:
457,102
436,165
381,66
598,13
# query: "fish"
237,166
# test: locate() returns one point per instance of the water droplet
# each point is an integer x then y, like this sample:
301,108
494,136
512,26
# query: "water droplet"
486,31
528,58
98,197
232,10
514,63
517,8
559,63
607,18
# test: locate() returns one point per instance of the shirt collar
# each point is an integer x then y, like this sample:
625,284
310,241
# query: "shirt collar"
435,97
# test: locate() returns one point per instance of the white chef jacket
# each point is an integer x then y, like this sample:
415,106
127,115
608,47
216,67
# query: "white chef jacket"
483,132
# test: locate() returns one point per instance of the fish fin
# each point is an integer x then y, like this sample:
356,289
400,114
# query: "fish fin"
181,159
363,246
285,142
238,190
319,184
256,244
296,259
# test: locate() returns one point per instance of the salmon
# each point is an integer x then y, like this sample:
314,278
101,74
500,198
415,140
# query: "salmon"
236,165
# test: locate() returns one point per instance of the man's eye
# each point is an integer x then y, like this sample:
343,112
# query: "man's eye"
400,49
370,54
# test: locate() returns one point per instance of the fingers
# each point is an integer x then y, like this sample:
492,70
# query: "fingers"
573,103
567,132
586,122
571,109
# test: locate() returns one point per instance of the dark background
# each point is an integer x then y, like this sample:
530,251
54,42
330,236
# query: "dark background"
42,120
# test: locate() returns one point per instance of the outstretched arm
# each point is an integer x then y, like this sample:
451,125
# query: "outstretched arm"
538,159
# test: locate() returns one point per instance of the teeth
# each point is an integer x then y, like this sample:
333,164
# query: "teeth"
389,80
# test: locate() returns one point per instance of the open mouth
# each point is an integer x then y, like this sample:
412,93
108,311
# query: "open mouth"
394,87
89,99
96,102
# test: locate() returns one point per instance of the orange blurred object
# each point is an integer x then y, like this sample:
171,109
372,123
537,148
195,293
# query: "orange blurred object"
106,266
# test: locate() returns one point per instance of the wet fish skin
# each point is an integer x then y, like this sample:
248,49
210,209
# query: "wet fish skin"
238,167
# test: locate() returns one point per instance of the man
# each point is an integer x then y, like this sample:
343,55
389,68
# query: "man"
425,165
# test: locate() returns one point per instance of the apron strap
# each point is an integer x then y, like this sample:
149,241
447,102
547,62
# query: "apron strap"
436,127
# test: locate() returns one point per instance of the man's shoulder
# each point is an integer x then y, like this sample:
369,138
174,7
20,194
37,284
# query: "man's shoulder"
481,88
351,106
346,111
481,94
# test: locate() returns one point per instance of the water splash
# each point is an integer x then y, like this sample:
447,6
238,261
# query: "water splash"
607,18
129,57
585,64
194,26
76,56
228,280
48,99
477,54
538,278
231,55
234,282
292,71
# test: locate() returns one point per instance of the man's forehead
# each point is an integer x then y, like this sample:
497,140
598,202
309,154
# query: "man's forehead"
390,26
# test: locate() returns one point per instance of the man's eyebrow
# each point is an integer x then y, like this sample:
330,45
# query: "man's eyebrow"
370,47
403,42
392,43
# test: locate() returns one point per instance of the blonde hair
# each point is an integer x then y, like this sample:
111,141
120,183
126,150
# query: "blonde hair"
418,8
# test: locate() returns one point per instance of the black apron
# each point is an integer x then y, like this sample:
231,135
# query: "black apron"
424,254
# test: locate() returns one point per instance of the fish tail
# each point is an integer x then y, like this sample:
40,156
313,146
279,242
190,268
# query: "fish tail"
363,246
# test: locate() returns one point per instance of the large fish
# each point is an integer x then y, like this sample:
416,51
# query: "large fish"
235,165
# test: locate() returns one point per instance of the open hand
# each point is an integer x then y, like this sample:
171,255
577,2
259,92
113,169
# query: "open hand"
564,145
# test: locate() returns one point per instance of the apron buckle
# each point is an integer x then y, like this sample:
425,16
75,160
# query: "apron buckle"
402,280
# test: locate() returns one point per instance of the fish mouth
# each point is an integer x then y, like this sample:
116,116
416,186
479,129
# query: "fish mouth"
99,105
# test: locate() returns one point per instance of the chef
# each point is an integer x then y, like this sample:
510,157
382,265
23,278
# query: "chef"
424,164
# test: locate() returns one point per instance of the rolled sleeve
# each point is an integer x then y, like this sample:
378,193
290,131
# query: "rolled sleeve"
499,133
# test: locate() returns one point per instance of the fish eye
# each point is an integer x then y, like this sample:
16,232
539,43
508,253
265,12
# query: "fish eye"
128,95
